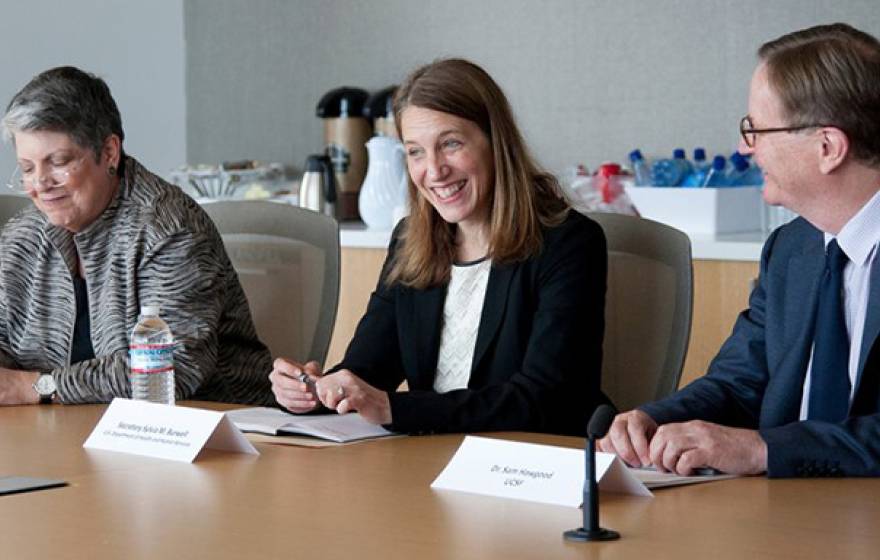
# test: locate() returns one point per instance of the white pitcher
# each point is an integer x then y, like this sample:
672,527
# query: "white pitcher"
384,187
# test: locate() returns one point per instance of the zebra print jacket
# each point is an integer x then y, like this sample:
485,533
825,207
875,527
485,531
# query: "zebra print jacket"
153,245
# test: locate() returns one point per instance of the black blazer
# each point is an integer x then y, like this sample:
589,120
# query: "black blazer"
538,355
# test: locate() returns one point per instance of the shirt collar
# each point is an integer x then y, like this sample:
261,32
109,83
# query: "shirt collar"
861,233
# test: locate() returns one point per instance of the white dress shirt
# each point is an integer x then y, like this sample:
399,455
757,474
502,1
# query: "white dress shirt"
858,239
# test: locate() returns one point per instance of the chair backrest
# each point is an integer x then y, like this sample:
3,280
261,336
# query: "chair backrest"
287,259
12,204
648,309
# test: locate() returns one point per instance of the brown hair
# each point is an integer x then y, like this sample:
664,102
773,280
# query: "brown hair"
830,75
524,197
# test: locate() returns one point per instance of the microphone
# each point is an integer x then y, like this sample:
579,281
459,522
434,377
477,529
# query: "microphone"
591,531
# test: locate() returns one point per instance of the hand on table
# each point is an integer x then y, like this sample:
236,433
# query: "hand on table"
344,392
629,438
17,387
290,390
683,447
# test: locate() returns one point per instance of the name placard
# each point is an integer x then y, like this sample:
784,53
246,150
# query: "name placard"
531,472
165,432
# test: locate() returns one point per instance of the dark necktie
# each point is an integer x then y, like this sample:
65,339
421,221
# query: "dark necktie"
829,378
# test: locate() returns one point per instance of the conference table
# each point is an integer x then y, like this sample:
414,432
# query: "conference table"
373,500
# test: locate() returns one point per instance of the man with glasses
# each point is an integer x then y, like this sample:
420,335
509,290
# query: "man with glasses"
795,390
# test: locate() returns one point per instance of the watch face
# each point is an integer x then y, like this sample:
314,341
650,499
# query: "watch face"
45,384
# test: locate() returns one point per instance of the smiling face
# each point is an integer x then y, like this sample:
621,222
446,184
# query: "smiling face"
450,162
69,186
788,159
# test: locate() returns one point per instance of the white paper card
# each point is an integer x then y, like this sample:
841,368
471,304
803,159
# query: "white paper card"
531,472
165,432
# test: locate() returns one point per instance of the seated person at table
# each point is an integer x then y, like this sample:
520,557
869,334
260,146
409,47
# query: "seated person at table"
105,237
795,390
491,301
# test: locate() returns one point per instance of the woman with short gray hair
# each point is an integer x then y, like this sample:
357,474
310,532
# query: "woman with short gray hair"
104,238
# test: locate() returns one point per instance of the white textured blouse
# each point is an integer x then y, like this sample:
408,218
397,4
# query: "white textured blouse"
461,320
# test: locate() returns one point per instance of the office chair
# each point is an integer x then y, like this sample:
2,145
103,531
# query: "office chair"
12,204
287,259
648,309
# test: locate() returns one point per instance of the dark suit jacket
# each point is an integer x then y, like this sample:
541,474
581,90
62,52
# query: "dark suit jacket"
538,355
756,381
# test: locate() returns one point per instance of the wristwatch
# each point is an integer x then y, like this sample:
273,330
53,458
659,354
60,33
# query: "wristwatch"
46,388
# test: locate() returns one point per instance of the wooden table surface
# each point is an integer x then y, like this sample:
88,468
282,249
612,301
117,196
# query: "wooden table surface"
373,500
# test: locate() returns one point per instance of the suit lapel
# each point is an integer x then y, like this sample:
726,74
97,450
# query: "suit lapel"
425,323
494,308
802,292
872,321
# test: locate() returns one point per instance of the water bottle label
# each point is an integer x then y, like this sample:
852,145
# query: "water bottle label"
151,358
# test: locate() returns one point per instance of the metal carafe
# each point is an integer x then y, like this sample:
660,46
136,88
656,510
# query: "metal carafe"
317,189
311,186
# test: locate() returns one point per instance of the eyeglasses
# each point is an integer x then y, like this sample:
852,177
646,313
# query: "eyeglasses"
57,176
749,132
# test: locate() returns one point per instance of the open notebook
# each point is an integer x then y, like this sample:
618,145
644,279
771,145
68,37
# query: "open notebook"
341,428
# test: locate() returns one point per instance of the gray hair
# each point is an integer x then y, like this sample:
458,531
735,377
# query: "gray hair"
65,99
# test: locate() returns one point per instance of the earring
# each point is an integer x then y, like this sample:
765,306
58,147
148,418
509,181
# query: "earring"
111,171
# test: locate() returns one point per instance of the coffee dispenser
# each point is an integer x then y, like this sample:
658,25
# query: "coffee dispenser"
346,132
380,110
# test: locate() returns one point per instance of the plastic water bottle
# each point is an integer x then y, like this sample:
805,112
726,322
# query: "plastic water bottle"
701,168
152,358
753,176
716,177
640,168
667,173
680,155
736,174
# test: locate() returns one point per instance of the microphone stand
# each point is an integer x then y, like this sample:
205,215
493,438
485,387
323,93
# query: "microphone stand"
591,531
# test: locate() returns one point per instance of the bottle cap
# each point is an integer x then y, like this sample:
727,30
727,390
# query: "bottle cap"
699,154
718,163
608,169
679,153
738,161
635,156
150,310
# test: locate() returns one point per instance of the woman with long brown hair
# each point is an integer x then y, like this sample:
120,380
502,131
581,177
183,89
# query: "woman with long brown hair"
491,300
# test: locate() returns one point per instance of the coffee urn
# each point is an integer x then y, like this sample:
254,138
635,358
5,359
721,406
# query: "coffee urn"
380,110
346,132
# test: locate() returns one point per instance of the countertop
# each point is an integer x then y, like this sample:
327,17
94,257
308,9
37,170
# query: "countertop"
723,247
